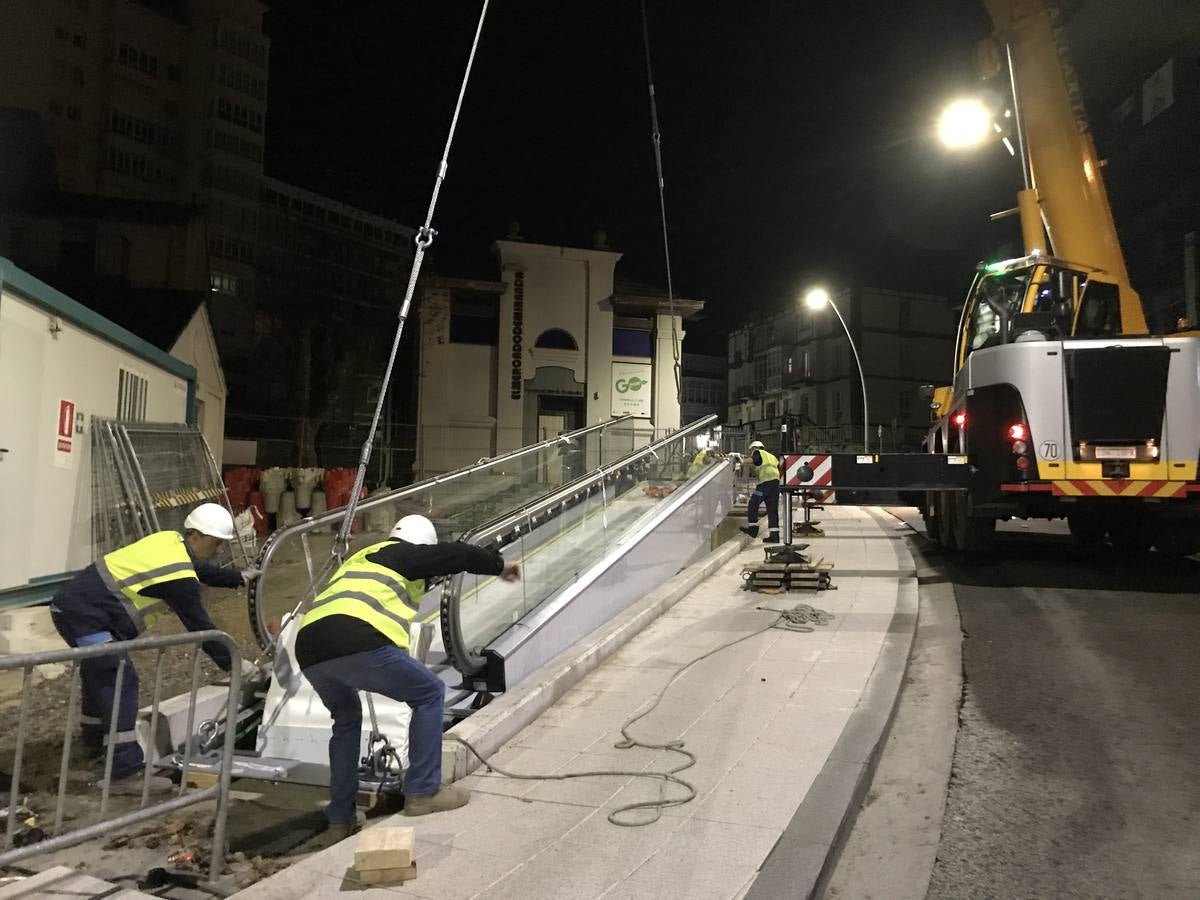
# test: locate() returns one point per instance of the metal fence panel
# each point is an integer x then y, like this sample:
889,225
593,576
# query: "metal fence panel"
74,656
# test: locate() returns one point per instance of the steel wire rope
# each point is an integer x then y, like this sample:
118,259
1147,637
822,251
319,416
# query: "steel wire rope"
800,618
424,239
656,141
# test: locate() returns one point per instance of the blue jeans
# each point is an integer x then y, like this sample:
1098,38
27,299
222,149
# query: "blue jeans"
765,493
391,672
98,683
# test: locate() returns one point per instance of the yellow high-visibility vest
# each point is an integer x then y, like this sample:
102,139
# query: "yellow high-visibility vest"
155,559
769,470
379,596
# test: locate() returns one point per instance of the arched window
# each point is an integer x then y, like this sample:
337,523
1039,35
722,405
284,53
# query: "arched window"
556,339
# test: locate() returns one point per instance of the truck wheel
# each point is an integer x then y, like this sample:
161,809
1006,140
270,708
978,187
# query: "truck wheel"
946,509
1177,539
1087,530
931,517
1131,534
973,535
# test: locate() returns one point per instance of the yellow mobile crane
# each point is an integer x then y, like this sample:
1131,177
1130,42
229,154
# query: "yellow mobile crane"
1062,400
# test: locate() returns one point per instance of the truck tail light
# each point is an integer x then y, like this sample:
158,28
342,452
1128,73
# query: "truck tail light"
960,419
1018,432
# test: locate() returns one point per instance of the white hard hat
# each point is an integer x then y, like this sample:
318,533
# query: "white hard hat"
415,530
211,519
757,444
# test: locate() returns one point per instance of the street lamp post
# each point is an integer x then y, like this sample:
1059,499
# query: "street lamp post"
817,299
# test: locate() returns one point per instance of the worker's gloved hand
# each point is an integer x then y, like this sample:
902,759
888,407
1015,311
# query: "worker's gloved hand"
249,670
248,575
511,571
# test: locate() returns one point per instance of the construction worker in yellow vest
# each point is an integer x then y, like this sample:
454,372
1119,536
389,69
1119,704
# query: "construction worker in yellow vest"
121,595
354,637
766,491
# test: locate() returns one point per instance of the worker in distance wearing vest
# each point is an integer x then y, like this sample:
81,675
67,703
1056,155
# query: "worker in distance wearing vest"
766,477
121,595
354,637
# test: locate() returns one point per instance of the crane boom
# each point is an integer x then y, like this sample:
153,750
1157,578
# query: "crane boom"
1064,167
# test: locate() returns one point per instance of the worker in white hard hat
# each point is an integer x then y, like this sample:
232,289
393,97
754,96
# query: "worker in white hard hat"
354,637
118,597
766,491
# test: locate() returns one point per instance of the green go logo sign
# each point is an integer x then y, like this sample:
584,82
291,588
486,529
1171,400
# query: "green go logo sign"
625,385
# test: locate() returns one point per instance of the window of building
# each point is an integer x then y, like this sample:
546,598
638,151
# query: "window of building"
57,107
174,73
132,391
770,409
133,58
474,321
804,405
223,283
837,407
136,129
904,403
905,314
556,339
60,33
170,108
80,41
632,342
221,245
77,75
789,365
73,112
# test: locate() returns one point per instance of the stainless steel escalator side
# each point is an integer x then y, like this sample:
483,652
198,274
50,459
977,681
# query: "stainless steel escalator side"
591,516
310,527
674,536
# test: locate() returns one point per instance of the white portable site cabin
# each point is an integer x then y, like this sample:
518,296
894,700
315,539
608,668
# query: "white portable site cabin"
60,365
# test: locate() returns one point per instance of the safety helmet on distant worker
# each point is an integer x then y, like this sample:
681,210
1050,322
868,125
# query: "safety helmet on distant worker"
211,519
757,445
415,530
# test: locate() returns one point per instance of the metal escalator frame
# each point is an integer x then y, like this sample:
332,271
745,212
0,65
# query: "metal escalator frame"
457,652
333,516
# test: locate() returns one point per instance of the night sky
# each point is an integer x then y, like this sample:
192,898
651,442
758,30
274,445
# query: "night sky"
797,136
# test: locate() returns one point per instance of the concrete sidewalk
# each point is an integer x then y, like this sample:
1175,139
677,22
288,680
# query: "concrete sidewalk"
783,725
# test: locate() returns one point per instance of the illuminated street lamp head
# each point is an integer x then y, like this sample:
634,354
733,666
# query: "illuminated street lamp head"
817,298
964,123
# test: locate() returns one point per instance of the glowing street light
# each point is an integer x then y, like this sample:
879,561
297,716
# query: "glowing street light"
964,124
817,299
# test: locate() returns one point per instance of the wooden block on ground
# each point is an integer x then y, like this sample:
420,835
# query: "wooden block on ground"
384,849
389,876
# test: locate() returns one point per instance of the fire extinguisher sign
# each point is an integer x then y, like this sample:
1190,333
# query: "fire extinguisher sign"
66,427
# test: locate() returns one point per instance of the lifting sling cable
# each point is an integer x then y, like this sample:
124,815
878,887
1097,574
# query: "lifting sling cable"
424,238
656,140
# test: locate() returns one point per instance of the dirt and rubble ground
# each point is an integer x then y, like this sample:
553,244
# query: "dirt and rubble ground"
268,824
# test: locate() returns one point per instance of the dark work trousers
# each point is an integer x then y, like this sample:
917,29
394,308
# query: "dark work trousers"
768,493
98,682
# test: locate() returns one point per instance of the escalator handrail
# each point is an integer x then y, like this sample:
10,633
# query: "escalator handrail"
457,652
333,516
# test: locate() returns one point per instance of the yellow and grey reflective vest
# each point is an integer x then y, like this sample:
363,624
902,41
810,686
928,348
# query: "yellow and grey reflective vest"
697,463
155,559
769,470
379,596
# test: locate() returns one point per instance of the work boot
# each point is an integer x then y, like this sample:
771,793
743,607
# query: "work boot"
771,538
131,785
449,796
334,833
751,530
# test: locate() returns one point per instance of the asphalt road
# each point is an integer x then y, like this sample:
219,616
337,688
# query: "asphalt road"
1076,769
